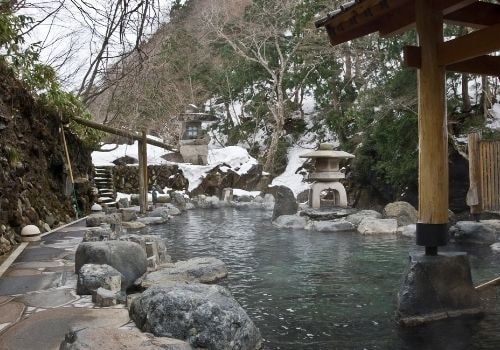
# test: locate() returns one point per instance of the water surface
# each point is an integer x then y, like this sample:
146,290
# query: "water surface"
310,290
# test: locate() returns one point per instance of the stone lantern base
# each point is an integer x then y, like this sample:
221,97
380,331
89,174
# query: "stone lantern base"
436,288
318,187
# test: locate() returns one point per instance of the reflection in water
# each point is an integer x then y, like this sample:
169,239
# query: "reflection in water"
310,290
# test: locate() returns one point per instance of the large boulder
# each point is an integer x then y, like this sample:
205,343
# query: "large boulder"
118,339
370,226
203,270
356,218
95,220
126,257
290,221
92,277
409,231
101,233
403,212
331,226
206,316
473,232
153,245
179,200
285,203
210,202
152,220
437,287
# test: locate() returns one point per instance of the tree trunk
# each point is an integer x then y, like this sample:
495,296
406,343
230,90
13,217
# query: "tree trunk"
466,104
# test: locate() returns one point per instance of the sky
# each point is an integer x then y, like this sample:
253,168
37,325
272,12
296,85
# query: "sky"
71,33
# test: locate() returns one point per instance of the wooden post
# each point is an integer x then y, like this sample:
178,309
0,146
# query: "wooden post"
143,173
145,168
474,200
433,138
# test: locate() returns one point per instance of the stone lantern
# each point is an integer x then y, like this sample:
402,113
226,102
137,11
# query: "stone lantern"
193,143
327,175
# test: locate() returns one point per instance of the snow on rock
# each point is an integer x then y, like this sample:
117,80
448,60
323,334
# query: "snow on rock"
240,193
107,158
290,178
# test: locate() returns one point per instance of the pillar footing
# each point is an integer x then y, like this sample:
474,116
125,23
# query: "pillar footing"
435,288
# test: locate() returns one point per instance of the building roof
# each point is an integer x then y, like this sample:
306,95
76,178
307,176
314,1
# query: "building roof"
469,53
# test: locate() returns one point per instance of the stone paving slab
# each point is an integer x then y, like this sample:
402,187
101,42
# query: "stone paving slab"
11,312
48,299
26,284
46,329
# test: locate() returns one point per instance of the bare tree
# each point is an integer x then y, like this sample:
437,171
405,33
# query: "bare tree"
265,37
84,39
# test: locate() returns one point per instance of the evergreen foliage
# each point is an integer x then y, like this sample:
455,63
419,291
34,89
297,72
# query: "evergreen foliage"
40,79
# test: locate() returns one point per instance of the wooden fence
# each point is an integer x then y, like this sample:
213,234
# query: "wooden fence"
484,173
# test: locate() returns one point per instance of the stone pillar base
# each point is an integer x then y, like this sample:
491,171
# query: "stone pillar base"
436,288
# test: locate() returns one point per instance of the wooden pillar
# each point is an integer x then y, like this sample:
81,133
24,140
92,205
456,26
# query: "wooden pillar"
433,138
143,173
474,200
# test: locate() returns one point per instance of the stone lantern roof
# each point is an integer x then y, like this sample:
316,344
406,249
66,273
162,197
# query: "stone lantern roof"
326,151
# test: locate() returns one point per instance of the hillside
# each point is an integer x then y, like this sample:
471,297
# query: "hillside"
33,175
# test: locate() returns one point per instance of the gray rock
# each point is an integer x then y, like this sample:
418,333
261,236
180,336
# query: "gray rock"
403,212
163,198
290,221
203,270
152,220
250,205
494,224
173,210
178,200
473,232
95,220
160,212
104,297
285,203
322,214
437,287
205,202
356,218
129,215
370,226
92,277
408,231
331,226
123,203
134,199
126,257
118,339
101,233
133,226
153,246
206,316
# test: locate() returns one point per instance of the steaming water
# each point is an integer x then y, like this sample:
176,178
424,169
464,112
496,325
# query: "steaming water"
309,290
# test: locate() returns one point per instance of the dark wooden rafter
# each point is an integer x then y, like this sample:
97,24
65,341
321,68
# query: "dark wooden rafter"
389,17
486,64
478,43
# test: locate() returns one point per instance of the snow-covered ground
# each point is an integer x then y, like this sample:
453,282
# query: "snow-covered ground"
232,157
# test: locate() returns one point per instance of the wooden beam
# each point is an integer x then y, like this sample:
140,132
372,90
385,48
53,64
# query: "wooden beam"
474,194
124,133
477,15
143,174
482,65
468,46
404,17
433,138
359,20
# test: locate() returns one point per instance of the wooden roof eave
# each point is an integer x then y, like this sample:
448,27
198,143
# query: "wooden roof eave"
393,16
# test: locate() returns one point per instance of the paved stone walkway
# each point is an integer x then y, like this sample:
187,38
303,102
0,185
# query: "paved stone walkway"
38,302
